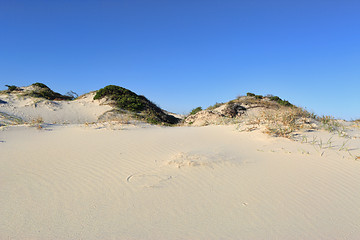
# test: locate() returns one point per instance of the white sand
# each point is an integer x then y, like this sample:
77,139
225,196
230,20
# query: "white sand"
83,182
29,109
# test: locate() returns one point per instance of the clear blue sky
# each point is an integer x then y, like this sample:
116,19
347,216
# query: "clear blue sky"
188,53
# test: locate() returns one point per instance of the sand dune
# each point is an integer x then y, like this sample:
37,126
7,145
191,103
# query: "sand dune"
89,182
28,109
94,179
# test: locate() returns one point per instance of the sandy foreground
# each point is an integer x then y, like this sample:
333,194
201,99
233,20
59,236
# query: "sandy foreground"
92,182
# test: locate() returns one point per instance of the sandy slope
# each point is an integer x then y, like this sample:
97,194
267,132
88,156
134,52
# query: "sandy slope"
81,110
89,182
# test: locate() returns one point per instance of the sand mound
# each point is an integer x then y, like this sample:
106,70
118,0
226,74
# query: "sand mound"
270,114
135,106
239,110
38,103
28,109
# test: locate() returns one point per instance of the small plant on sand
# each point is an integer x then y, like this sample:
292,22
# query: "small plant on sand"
195,110
249,94
329,142
330,124
36,122
304,139
343,146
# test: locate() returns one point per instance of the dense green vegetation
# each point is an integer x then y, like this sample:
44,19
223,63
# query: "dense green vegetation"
271,98
124,98
43,91
280,101
40,85
142,107
11,88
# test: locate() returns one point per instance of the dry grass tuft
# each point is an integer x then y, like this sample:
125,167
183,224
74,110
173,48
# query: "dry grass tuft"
282,122
37,122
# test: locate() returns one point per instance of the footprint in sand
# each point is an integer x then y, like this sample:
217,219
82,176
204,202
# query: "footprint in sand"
182,159
147,180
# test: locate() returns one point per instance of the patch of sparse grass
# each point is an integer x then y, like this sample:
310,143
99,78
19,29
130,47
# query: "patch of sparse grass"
284,131
330,124
216,105
283,122
268,101
343,146
327,120
254,102
37,122
7,119
329,142
153,121
271,98
279,118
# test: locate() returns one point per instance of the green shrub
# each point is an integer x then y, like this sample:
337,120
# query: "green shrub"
250,94
142,108
195,110
258,96
40,85
280,101
216,105
275,98
152,121
285,103
11,88
47,93
123,97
